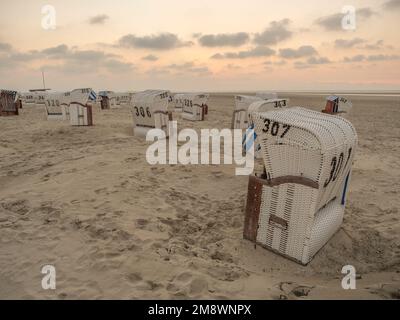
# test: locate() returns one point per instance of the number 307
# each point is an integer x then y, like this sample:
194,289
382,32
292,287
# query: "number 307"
275,128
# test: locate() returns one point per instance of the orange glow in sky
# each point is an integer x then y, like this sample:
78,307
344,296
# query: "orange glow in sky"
209,45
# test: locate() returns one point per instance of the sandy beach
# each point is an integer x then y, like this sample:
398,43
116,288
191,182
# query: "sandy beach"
85,200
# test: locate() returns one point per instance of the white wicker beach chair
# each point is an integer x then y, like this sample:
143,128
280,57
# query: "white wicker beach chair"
9,104
150,110
27,99
80,108
39,98
177,101
260,106
195,106
57,105
298,203
239,117
122,99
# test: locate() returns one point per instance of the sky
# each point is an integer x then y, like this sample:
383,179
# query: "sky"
181,45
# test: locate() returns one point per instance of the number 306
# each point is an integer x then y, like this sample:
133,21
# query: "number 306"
140,112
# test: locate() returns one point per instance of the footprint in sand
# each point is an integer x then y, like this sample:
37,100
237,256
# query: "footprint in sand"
387,291
187,284
294,290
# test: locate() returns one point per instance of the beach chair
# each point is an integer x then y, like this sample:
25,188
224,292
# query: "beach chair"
150,111
57,105
80,107
27,99
9,104
122,99
178,102
39,98
337,105
239,117
298,203
195,106
107,100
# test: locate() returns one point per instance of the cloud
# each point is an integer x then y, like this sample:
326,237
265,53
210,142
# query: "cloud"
392,5
346,44
224,39
276,32
311,62
303,51
333,22
187,67
318,60
5,47
65,59
383,57
161,41
231,66
371,58
301,65
260,51
374,46
60,50
99,19
150,57
117,65
356,58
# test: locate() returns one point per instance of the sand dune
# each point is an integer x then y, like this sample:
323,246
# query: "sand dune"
86,201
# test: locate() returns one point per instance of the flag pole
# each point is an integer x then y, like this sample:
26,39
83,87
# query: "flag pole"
44,83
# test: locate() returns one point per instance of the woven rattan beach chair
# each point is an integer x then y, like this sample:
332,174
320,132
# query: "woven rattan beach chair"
239,117
122,99
195,106
260,106
297,205
150,111
178,101
80,108
9,103
57,105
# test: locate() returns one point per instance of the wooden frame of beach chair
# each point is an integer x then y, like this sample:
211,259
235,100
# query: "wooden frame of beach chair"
298,204
150,111
9,104
195,106
81,113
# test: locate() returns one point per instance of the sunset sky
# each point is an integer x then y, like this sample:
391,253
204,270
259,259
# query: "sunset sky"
224,45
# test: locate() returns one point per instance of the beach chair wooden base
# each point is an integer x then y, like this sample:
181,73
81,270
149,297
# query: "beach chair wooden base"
80,115
281,233
9,113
